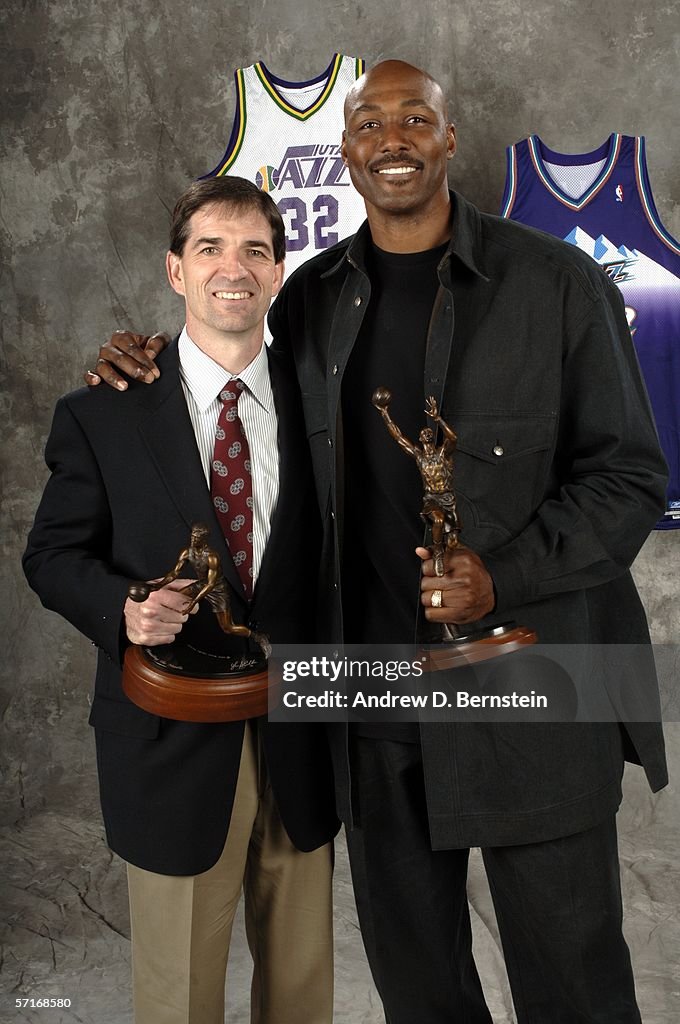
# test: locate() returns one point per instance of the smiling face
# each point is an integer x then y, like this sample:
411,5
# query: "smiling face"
397,140
227,274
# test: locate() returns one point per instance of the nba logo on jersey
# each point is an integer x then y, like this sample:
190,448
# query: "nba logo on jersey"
574,197
286,138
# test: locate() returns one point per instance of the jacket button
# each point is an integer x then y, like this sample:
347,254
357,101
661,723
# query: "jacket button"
335,369
330,442
332,515
358,300
498,450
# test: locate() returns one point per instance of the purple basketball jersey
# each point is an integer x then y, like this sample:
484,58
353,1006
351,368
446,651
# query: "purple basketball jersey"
602,203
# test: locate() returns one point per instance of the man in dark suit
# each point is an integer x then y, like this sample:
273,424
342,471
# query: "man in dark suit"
200,810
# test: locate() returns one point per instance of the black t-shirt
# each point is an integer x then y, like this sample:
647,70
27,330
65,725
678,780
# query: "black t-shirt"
383,495
383,489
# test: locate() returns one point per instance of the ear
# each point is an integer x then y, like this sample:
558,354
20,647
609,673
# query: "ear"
173,268
277,279
343,147
450,140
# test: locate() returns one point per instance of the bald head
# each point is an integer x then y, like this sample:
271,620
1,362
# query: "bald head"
397,142
394,76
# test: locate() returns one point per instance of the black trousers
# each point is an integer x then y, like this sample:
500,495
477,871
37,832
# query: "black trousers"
558,906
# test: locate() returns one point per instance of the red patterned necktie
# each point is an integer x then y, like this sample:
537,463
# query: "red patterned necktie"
231,483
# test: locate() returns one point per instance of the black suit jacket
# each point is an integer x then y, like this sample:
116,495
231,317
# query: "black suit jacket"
126,485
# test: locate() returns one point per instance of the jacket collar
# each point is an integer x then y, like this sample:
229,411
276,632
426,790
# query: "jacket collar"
465,244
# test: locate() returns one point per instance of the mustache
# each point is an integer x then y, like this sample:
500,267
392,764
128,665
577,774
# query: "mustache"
393,161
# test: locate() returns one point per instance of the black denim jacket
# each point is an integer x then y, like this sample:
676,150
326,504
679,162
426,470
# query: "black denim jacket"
559,475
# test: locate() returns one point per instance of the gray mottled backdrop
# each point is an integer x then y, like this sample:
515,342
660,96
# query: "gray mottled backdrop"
109,109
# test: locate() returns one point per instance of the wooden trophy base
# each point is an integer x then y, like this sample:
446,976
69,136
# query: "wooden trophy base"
480,645
227,692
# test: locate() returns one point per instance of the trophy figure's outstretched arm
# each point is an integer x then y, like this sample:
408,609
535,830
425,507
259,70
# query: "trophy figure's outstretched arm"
381,399
450,436
140,590
174,573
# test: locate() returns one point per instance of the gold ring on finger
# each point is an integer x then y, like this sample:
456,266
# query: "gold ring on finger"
436,599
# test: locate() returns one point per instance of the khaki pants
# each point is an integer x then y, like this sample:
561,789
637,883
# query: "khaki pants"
181,926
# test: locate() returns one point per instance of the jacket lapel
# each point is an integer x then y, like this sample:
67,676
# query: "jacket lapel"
168,435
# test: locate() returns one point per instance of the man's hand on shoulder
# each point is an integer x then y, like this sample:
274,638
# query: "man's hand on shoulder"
132,354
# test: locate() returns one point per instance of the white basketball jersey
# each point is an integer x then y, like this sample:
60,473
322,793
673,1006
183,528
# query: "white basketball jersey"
286,138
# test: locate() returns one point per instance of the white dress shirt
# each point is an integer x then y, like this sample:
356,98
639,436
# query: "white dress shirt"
202,381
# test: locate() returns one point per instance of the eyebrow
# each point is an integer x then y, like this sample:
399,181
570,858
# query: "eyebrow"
254,243
258,243
367,107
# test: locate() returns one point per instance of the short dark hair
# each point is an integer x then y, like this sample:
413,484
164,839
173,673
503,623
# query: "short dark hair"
232,191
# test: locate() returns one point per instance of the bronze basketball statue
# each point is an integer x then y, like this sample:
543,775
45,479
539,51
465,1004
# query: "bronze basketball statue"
186,683
439,511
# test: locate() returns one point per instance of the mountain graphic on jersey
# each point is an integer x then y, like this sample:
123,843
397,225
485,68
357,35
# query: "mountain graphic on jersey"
602,203
286,137
624,265
649,290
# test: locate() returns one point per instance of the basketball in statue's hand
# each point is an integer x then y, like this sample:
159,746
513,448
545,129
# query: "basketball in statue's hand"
382,397
139,591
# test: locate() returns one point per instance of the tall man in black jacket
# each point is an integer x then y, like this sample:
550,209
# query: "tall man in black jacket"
524,343
199,811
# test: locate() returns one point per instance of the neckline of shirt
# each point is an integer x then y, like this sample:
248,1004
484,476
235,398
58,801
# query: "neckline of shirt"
205,378
402,259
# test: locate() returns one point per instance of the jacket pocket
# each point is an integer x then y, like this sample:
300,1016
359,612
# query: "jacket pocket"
124,718
502,471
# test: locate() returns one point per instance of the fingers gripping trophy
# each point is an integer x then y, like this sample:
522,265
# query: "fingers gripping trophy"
439,512
183,682
209,584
